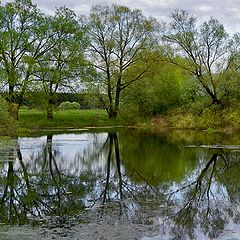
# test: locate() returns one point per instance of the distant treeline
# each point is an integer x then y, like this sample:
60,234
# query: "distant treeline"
38,100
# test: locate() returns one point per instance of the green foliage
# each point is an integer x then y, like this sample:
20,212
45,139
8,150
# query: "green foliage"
3,111
23,40
7,124
165,87
130,114
211,118
35,100
69,105
182,121
127,70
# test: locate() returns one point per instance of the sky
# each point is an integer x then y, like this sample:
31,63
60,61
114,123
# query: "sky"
226,11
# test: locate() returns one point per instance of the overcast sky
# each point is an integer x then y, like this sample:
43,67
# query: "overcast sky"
226,11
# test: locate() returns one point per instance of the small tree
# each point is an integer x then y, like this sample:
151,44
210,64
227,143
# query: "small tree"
205,49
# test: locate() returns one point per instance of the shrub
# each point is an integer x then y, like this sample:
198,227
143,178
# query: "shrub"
232,117
7,124
3,111
210,118
69,105
183,120
130,113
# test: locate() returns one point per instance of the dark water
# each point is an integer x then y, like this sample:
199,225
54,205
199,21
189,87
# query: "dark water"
186,185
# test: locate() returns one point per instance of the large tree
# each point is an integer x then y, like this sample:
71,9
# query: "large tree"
205,48
118,38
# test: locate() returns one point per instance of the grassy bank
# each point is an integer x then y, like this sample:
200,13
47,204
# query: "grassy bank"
36,120
210,119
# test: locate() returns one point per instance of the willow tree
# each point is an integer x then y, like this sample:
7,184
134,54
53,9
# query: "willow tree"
118,37
24,38
205,48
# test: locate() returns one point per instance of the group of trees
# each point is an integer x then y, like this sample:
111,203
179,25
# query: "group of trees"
38,51
119,55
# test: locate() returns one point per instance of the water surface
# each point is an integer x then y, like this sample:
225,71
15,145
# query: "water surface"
185,186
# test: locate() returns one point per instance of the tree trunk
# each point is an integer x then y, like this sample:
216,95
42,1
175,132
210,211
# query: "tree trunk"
50,108
14,110
211,94
113,113
13,107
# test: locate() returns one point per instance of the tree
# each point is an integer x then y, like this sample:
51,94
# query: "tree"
205,49
24,38
63,64
231,77
118,37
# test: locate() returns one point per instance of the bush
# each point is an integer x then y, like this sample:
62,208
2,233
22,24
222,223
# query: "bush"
232,118
130,113
3,111
209,118
7,124
69,105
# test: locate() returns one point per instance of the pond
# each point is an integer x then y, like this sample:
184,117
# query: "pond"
177,185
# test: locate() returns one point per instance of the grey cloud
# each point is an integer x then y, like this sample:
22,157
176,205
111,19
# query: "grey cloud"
227,12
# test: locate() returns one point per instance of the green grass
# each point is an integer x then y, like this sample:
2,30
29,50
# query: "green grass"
36,120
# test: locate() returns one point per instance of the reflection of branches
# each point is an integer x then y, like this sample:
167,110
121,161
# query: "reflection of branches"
9,186
113,143
118,163
52,161
13,200
118,186
26,194
201,205
31,193
185,217
146,181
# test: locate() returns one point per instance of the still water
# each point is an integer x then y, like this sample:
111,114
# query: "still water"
186,185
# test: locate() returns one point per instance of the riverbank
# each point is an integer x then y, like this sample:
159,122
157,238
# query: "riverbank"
208,119
227,120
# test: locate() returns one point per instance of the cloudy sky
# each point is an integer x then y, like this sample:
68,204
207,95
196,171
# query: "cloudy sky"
226,11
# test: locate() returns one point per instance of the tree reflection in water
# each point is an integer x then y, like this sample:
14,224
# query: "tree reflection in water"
187,192
116,186
28,194
210,200
18,197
